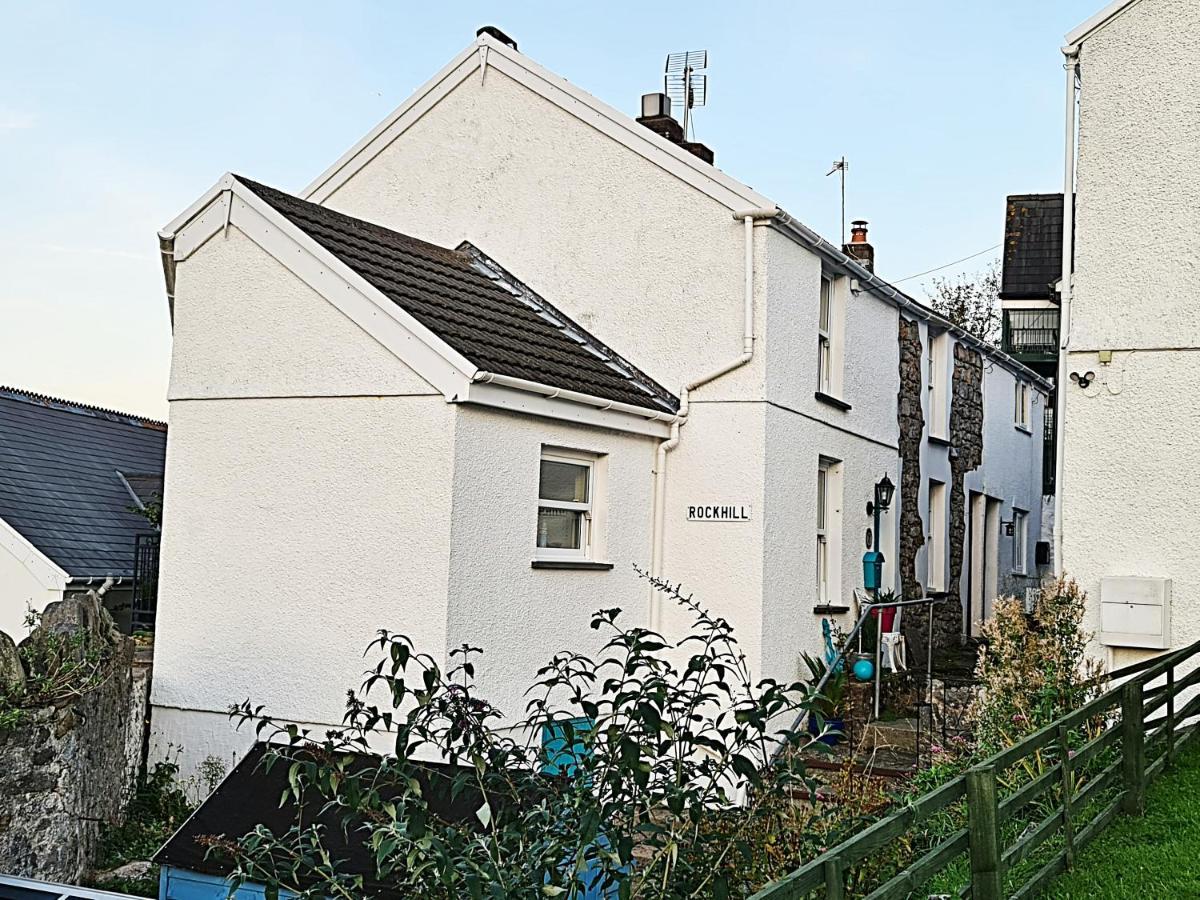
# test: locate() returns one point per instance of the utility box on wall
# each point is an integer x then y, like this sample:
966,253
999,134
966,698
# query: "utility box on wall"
1135,612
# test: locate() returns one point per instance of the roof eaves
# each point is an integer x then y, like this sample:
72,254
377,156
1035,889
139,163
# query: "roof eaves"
889,292
1098,21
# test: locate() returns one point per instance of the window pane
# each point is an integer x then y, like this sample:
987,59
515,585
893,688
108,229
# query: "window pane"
823,364
820,499
822,571
563,481
826,288
559,529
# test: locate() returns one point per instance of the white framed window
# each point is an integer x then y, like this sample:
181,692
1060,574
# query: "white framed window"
1021,404
935,559
825,337
938,374
566,485
1020,540
828,532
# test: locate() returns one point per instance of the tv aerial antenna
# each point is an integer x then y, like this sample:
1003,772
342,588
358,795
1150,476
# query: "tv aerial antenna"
841,166
685,83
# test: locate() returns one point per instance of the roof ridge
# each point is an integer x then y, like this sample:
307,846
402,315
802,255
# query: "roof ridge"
83,409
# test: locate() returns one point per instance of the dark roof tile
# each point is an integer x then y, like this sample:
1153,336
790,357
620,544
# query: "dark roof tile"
471,303
1033,225
60,486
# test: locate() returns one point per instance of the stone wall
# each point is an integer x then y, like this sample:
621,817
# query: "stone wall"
68,768
966,455
912,430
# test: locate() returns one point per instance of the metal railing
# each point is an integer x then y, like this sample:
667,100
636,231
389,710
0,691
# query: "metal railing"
1073,785
1030,332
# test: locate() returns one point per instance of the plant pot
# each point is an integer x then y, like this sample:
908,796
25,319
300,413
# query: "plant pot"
835,725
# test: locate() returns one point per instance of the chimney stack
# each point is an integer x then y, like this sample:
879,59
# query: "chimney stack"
656,115
859,248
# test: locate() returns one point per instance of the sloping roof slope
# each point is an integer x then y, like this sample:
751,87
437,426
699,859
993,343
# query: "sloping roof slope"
494,321
1033,232
61,485
249,797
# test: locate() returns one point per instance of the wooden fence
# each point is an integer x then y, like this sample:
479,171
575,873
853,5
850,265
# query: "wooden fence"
1074,797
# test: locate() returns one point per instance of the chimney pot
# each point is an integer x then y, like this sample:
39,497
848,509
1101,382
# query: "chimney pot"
859,247
656,115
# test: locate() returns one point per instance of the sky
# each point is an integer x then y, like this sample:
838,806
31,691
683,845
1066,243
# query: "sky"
114,117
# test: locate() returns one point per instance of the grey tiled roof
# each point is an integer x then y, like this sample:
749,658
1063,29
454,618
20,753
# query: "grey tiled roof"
60,486
1033,225
472,304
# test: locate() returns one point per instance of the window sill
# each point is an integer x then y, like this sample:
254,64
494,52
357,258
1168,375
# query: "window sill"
939,440
829,400
1024,429
586,565
830,610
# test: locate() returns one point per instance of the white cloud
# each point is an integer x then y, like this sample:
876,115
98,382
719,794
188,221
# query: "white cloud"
15,121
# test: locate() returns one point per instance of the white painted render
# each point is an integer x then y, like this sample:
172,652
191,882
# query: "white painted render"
28,580
1129,454
305,508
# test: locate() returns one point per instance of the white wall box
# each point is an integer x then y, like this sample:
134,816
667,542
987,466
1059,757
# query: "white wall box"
1135,612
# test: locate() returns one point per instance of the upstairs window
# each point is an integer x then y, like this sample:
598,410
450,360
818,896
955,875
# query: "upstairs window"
564,521
938,375
1021,404
825,338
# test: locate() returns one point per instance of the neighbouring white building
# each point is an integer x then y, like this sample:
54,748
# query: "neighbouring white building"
608,353
1131,389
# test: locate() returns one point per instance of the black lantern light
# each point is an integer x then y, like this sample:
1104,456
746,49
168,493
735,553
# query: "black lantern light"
884,491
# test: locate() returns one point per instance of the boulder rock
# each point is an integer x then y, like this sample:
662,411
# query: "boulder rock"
12,673
80,612
131,871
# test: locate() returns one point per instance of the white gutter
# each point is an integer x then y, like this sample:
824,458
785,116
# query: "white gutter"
658,513
869,281
1071,52
553,393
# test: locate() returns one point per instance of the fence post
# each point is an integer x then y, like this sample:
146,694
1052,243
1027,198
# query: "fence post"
1064,749
1133,749
1171,716
835,879
984,834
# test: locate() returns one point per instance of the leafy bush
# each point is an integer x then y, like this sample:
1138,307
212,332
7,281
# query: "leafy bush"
1033,669
157,808
654,744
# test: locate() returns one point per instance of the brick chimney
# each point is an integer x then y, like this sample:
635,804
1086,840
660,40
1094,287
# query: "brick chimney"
859,248
656,115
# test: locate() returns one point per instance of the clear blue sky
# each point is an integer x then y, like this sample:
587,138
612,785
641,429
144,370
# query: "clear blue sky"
114,117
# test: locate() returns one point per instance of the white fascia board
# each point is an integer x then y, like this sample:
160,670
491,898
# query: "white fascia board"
397,330
529,403
1100,19
1028,304
47,572
488,53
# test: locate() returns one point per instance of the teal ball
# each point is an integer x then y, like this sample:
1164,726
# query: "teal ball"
864,669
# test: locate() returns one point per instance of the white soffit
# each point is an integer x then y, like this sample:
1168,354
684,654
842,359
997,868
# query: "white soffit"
488,53
48,573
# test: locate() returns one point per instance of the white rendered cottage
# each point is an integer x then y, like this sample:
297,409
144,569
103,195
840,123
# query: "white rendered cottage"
371,431
1130,401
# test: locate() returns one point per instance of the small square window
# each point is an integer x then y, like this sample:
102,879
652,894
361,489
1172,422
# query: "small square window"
564,507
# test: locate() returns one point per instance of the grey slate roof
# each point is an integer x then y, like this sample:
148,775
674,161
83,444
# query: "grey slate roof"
1033,225
472,304
60,486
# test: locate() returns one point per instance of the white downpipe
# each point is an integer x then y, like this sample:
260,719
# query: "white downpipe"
1064,316
658,517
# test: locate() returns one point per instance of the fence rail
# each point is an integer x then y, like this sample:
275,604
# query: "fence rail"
1065,804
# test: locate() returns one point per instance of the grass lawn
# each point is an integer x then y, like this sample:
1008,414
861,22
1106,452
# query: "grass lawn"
1155,856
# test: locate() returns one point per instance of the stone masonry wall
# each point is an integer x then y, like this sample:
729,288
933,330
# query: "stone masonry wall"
966,455
912,429
68,768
